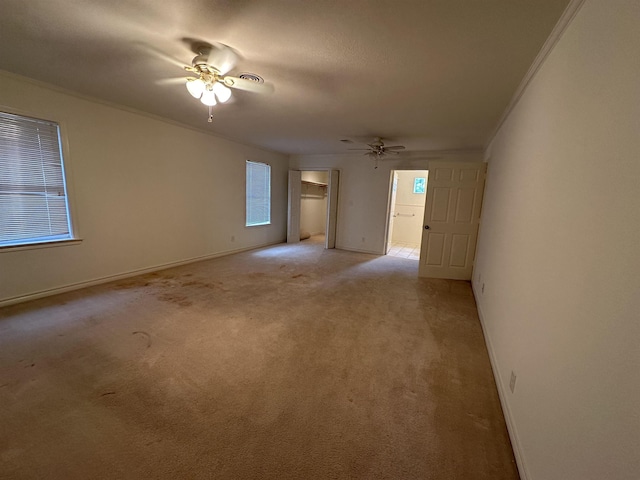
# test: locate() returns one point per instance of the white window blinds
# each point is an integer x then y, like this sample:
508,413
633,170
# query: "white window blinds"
258,194
33,197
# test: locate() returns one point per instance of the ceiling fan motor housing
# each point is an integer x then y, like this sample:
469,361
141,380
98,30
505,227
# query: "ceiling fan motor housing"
200,60
203,51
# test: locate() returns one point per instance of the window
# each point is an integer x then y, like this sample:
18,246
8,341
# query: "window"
33,196
258,194
419,185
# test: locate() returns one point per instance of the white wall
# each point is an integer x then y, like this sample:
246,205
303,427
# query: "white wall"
144,193
313,203
363,197
317,176
559,254
409,208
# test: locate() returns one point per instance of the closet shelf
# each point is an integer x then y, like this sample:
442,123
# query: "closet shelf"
307,182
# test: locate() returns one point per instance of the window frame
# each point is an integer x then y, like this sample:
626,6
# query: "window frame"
74,237
246,195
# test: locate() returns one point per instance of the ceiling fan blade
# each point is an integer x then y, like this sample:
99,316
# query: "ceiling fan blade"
359,139
395,147
161,55
360,149
222,57
172,81
248,85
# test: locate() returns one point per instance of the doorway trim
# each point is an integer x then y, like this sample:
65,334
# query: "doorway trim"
294,198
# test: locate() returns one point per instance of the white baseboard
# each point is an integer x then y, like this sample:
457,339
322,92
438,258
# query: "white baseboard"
358,250
502,393
120,276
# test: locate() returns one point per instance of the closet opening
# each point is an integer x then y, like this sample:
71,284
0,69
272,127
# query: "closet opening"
313,205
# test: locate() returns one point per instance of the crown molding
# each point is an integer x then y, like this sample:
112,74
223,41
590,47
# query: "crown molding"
558,30
125,108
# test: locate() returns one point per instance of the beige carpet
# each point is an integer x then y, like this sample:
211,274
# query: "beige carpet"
290,362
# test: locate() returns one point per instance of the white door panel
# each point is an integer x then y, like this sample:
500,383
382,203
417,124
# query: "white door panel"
332,209
293,217
452,214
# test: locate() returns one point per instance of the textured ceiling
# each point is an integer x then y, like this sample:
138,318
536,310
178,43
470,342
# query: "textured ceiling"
430,74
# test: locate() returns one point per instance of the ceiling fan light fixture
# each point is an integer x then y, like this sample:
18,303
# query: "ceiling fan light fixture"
222,92
196,87
206,78
208,98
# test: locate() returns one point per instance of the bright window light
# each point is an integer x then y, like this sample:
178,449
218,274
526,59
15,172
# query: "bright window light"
419,185
33,196
258,192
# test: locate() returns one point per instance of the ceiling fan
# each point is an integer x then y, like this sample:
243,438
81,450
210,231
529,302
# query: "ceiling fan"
208,80
377,150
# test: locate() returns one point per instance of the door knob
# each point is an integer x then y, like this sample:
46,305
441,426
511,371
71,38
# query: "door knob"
427,227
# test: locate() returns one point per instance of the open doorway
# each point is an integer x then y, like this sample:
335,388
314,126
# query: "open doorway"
317,202
406,213
313,205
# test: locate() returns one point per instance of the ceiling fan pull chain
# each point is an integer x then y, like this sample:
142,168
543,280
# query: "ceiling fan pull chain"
210,119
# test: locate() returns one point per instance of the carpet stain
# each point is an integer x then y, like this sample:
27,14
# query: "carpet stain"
179,300
218,285
260,382
145,334
204,285
480,422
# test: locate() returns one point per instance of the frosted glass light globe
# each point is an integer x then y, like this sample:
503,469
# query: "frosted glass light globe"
195,87
208,98
222,92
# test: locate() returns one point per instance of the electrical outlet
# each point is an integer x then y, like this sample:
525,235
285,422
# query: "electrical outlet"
512,382
482,291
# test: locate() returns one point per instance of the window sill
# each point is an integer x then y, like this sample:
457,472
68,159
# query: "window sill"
32,246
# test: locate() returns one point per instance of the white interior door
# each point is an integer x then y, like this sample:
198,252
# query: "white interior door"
293,215
332,209
451,219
